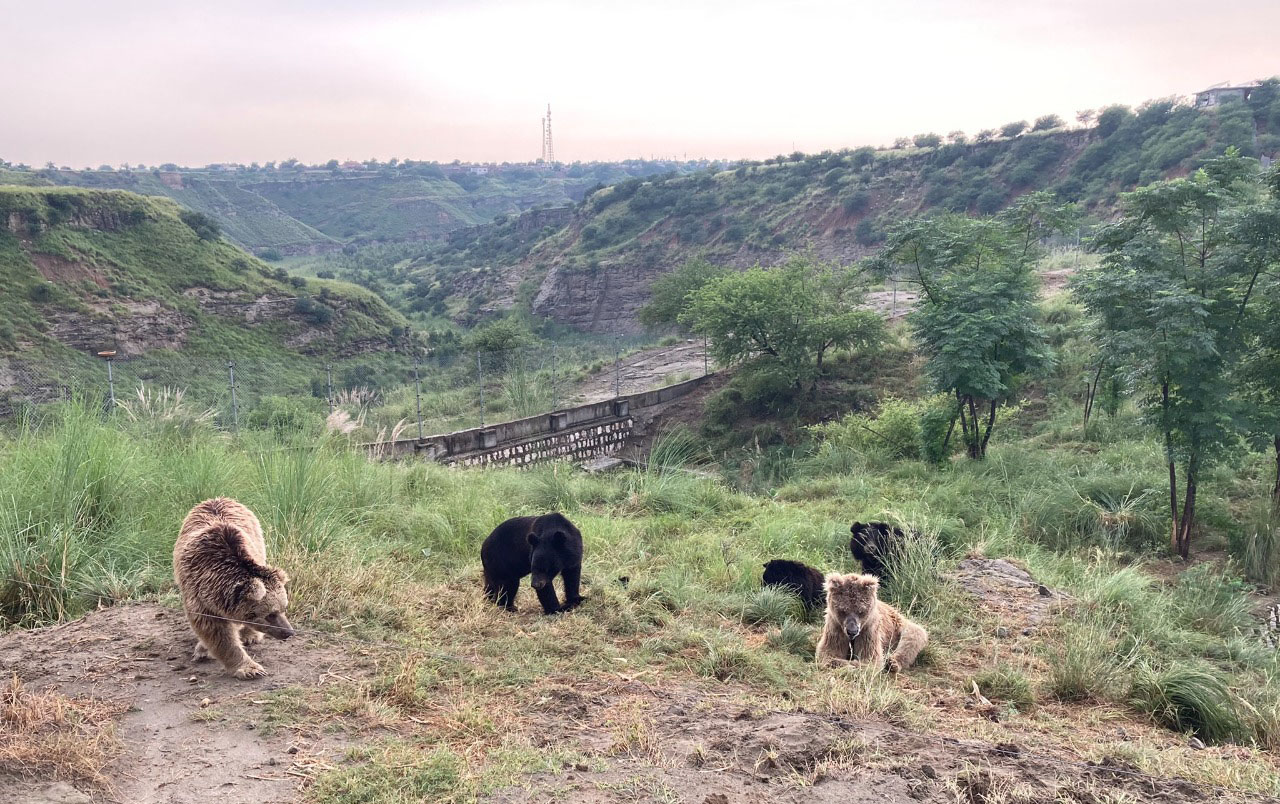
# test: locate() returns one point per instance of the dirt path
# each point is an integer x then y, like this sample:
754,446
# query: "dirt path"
190,733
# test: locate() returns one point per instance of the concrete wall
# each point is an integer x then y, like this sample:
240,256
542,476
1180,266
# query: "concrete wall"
587,431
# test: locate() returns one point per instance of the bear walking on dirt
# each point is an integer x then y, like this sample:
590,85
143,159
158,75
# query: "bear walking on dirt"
802,579
859,627
544,546
219,562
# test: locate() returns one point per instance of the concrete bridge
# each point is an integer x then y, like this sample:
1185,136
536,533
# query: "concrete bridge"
594,430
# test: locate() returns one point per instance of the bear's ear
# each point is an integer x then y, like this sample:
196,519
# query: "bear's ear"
533,539
559,538
253,591
280,576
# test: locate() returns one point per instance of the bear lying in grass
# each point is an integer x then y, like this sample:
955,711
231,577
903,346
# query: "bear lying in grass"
802,579
544,546
859,627
229,593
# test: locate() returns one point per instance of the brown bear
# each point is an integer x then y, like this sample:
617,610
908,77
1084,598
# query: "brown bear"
230,594
861,628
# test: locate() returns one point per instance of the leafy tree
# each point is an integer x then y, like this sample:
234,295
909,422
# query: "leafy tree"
927,140
1046,122
501,335
1258,233
985,135
670,292
976,322
1085,116
1111,119
1010,130
957,137
1172,293
902,142
205,227
790,317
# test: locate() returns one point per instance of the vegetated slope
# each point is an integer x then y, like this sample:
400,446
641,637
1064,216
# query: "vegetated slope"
595,272
300,210
87,270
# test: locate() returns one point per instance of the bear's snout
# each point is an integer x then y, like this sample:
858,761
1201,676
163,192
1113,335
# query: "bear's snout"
852,628
538,581
279,627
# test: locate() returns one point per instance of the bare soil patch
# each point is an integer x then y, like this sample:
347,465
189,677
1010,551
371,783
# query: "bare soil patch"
188,732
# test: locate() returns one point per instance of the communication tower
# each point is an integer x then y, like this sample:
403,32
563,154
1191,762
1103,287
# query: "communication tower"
548,149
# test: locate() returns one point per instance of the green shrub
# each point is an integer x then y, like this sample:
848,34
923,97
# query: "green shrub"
285,416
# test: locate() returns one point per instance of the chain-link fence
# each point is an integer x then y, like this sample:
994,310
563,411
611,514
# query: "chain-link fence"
374,395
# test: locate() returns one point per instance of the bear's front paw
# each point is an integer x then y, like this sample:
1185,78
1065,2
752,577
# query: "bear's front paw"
248,670
572,604
251,637
200,654
893,666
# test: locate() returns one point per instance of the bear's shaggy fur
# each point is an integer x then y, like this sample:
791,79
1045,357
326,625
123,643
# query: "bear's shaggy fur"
220,564
544,546
872,544
802,579
861,628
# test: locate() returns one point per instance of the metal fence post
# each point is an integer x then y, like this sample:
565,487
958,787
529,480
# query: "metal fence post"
617,366
328,379
706,366
480,382
417,395
111,380
235,407
554,400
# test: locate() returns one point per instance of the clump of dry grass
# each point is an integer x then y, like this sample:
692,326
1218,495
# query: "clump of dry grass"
47,734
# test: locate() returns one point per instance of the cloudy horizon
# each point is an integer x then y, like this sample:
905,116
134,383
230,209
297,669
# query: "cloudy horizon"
145,82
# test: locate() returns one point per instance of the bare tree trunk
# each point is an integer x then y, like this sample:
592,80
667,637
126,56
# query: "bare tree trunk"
991,423
1090,394
1275,490
975,441
1173,504
1188,511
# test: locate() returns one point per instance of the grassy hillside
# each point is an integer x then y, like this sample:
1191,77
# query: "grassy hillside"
297,210
86,270
835,204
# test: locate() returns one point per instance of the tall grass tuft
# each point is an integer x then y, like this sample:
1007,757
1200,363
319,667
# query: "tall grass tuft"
1187,698
773,606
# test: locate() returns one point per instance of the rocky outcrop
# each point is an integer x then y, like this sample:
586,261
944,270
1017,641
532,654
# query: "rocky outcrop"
131,328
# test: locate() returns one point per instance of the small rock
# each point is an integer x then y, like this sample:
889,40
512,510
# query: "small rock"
192,680
716,798
205,702
1008,749
1195,743
293,749
581,767
1043,590
1002,633
929,772
251,725
1028,631
271,761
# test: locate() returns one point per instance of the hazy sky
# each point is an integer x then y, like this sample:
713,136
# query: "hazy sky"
93,81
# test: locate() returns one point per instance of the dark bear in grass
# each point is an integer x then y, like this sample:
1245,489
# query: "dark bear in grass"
802,579
873,543
544,546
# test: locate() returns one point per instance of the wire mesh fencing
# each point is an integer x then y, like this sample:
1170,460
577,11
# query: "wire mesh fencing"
379,396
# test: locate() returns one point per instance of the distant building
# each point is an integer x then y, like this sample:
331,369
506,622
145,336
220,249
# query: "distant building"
479,170
350,165
1216,96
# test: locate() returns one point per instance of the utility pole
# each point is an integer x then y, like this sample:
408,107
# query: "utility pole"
617,366
480,380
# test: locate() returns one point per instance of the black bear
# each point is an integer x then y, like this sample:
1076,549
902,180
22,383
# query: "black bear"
873,543
546,546
802,579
